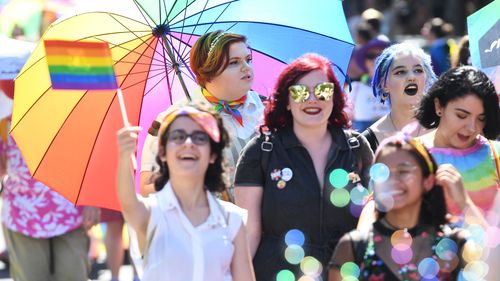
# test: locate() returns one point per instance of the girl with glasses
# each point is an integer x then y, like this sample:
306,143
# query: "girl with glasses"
402,76
409,239
188,233
284,177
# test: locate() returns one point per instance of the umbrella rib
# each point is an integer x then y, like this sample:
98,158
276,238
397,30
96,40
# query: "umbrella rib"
139,72
154,50
120,45
182,29
143,80
201,13
27,111
143,14
166,74
173,5
181,56
183,52
274,24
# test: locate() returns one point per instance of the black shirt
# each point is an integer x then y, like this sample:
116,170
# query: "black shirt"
299,202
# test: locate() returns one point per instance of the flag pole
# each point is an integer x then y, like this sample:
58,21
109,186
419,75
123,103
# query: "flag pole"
123,110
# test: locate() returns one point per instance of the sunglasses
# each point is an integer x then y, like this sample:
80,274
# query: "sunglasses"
323,92
180,137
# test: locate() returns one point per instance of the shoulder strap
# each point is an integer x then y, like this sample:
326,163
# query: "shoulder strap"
266,147
371,138
354,145
495,157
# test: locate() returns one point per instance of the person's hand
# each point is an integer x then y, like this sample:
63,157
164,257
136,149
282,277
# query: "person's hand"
91,216
127,140
450,179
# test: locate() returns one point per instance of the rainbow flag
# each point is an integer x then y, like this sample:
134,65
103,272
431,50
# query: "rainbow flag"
80,65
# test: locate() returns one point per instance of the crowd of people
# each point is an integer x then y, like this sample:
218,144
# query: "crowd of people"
396,179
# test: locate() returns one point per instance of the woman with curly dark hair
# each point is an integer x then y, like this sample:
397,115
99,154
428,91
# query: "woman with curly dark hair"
463,108
285,177
188,233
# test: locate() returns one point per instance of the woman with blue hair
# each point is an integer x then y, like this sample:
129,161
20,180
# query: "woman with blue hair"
403,74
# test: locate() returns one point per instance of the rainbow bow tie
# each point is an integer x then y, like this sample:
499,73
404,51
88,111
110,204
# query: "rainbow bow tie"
230,107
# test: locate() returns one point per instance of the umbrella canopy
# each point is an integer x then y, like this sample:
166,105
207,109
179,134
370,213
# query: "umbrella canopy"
68,138
484,39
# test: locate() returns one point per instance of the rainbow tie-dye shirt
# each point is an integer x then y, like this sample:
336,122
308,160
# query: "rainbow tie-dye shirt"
477,166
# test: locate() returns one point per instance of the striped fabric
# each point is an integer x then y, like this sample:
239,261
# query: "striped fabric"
80,65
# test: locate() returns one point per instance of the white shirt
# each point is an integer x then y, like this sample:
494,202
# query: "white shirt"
251,112
178,251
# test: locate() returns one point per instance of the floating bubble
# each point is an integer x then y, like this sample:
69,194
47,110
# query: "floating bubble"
476,270
384,202
340,197
339,178
449,265
349,269
294,254
285,275
428,268
401,257
311,266
359,194
446,249
294,237
472,251
401,240
477,233
379,172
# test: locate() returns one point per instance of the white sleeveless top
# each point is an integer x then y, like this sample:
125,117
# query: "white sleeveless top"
177,251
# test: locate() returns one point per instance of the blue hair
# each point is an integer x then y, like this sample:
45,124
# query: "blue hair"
384,61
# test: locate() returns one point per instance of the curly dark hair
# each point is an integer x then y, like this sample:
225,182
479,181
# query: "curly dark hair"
276,114
433,210
457,83
215,176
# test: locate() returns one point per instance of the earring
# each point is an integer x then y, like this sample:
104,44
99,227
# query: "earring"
438,113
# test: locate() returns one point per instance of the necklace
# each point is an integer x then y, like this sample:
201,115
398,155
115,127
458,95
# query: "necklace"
396,128
372,265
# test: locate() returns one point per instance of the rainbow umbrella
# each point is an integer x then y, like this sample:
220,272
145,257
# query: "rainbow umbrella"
484,39
68,138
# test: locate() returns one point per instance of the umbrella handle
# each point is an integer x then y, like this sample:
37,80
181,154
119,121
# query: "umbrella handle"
123,110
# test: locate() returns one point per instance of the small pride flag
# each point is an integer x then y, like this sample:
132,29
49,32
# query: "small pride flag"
80,65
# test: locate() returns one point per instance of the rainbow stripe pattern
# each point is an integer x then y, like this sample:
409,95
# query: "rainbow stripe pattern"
80,65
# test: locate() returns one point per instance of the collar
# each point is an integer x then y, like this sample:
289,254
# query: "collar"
290,140
167,201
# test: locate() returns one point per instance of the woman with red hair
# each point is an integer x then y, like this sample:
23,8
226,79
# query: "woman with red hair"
285,178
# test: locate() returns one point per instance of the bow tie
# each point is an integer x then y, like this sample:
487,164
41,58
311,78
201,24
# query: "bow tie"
230,107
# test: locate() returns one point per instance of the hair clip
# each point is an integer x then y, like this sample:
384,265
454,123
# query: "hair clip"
214,43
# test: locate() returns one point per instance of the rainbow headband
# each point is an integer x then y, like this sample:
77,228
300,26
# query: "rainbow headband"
419,147
206,121
401,138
